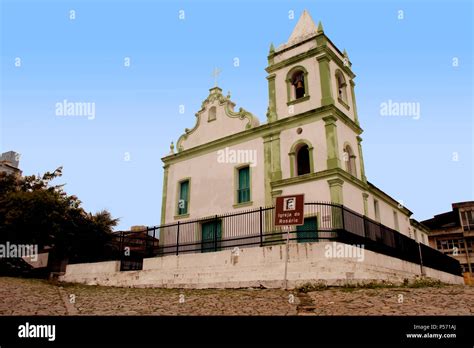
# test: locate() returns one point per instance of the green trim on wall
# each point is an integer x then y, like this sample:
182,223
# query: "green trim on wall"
276,193
164,193
346,164
322,42
319,176
299,100
332,143
286,123
242,205
343,103
267,167
325,80
276,157
361,159
365,198
272,165
271,112
335,189
354,104
321,39
187,133
236,184
292,156
180,217
294,59
338,72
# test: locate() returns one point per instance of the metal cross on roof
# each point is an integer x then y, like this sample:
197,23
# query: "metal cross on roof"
215,74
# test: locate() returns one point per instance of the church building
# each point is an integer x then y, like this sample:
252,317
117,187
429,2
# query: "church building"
311,142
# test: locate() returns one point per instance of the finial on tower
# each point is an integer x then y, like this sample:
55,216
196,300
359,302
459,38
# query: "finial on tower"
171,148
320,27
272,48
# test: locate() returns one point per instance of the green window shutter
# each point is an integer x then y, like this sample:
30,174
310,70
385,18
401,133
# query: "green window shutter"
243,192
183,197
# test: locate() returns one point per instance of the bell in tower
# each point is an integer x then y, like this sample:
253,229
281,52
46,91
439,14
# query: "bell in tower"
298,83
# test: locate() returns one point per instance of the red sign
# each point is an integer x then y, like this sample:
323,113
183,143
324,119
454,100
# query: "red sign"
289,210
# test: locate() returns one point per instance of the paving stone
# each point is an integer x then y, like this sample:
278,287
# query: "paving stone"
38,297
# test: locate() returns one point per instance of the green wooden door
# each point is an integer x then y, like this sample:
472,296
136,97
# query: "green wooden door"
209,231
309,231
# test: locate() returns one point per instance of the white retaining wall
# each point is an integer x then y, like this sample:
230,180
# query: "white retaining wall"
254,267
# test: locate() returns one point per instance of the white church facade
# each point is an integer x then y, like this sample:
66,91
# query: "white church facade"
221,180
311,143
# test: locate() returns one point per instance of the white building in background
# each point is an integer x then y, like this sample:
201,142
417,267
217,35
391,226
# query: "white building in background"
9,163
311,142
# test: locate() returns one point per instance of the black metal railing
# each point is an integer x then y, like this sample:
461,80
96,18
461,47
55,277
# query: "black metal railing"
255,227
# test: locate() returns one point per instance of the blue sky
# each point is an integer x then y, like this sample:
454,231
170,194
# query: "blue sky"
137,107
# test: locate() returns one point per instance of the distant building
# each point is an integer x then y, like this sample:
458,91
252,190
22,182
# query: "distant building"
9,163
453,234
419,232
136,239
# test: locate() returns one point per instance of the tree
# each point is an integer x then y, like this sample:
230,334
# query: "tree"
33,211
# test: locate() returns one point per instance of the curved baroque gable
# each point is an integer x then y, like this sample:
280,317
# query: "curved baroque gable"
223,122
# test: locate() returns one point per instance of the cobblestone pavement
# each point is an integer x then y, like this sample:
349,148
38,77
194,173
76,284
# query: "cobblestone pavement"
38,297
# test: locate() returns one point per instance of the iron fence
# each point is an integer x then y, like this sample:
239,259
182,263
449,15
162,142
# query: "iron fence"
255,227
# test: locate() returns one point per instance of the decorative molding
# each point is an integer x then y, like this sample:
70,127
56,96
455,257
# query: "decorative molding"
343,103
299,100
216,95
271,111
323,50
164,193
266,130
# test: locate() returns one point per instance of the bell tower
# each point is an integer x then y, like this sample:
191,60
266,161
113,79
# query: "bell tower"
308,72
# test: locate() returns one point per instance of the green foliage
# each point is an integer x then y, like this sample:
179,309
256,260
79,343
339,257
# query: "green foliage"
33,211
417,282
309,287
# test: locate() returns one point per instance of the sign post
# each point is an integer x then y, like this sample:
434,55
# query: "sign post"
289,211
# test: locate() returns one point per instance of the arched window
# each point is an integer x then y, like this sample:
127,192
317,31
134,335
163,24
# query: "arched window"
302,160
297,81
349,158
341,87
212,114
